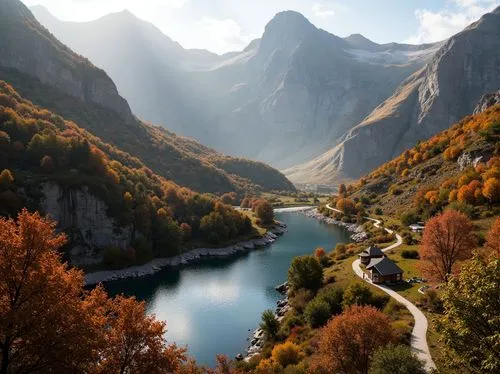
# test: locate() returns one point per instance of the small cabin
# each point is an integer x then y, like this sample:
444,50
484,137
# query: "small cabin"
383,270
417,227
370,253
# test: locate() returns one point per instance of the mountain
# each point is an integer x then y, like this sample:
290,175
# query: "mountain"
111,206
297,88
48,73
459,166
430,100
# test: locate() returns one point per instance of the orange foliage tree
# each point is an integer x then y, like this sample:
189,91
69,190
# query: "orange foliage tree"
492,244
348,341
491,190
346,205
49,323
447,239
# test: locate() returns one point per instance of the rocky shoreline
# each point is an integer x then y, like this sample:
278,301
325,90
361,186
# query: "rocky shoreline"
258,336
358,234
186,258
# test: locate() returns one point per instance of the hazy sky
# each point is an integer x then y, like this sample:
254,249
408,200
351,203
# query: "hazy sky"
226,25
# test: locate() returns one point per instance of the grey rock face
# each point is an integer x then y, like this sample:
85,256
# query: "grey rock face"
83,217
466,67
487,101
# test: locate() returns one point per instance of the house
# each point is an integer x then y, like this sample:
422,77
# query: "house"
417,227
383,270
370,253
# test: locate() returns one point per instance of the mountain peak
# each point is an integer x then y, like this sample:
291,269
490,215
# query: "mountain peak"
360,42
285,31
289,20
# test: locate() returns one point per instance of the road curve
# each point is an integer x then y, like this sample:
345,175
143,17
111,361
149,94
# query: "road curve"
419,334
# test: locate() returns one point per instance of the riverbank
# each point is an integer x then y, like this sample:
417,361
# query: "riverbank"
185,258
358,233
258,336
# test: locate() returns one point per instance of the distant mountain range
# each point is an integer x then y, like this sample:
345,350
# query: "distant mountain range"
284,99
50,74
321,107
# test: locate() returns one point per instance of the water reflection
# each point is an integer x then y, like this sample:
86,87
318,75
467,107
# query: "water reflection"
210,306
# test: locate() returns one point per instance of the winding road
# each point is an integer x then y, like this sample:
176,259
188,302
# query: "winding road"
419,334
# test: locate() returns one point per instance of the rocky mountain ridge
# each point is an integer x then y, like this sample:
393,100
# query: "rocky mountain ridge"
298,87
447,89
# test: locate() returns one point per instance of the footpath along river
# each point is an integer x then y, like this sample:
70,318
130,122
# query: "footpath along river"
210,306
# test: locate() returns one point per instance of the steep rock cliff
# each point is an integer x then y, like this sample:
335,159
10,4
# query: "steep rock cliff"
83,217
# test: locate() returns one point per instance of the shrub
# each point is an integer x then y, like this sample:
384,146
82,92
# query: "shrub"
143,250
305,272
378,211
464,208
407,218
290,321
269,324
317,312
113,256
410,254
357,294
300,299
408,238
396,359
402,331
6,178
333,296
393,308
395,190
286,354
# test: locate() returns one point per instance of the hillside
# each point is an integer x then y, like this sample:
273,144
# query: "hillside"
297,87
48,73
429,101
108,202
459,167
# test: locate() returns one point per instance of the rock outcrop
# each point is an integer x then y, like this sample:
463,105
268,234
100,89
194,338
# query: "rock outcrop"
448,88
84,218
487,101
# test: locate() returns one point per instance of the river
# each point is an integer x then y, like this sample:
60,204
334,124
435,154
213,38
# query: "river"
210,306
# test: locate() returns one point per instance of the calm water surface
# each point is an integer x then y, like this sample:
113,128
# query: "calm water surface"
210,306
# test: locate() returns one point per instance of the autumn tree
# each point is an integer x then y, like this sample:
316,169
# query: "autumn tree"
342,190
134,342
305,272
264,211
50,324
349,340
491,191
492,244
347,206
470,323
286,354
43,326
6,178
447,239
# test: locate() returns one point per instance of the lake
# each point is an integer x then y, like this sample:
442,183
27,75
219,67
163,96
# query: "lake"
211,305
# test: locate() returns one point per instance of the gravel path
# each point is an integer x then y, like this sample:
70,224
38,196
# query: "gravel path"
419,334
